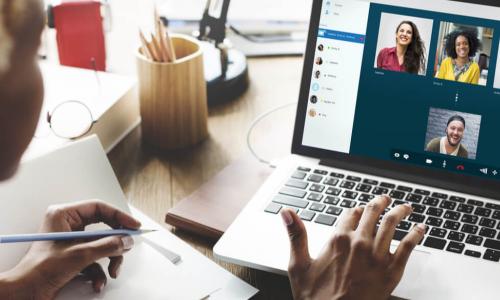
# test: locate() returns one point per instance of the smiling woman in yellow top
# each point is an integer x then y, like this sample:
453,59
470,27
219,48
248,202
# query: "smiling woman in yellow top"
461,46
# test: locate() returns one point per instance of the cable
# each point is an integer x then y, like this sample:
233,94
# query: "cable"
252,126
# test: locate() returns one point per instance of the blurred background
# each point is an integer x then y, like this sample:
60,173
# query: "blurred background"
123,18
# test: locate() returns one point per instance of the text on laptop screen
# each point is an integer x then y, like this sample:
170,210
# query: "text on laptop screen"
418,85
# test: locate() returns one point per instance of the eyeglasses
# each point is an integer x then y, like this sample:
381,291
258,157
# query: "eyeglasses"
69,120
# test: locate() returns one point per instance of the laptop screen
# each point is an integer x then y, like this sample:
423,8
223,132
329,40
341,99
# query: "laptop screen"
412,82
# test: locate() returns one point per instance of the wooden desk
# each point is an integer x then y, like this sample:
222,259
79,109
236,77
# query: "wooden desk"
154,181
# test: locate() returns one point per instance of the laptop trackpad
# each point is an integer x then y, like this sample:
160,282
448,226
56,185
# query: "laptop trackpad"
408,286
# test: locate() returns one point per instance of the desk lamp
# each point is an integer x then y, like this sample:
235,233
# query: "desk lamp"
226,69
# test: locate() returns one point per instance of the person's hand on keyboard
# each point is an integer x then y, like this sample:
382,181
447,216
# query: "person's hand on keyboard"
356,262
49,266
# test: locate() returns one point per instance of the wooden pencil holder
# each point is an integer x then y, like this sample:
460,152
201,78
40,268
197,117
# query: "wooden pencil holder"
173,97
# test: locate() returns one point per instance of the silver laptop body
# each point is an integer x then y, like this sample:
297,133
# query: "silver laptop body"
367,125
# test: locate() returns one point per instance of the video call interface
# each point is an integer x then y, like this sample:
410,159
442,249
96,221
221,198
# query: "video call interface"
406,84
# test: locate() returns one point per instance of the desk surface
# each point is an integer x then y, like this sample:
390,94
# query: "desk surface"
154,181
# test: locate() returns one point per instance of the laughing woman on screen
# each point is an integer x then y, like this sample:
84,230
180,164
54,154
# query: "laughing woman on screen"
461,46
408,55
47,267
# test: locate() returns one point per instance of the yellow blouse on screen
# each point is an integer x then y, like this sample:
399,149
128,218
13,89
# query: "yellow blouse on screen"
446,72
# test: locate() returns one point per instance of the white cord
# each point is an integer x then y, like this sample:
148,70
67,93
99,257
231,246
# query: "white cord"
252,126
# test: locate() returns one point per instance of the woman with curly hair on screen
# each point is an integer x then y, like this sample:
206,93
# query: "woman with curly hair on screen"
461,46
409,53
48,266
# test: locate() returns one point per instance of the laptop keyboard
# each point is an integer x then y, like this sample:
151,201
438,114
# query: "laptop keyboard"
454,224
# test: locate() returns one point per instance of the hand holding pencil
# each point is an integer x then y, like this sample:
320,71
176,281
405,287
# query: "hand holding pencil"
160,48
48,266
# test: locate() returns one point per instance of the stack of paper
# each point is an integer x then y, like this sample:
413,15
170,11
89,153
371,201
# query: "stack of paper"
81,171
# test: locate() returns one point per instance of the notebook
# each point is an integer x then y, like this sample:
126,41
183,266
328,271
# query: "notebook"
80,171
213,207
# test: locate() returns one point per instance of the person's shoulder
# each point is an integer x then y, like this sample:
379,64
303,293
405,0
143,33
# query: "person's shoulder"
388,50
446,66
463,151
435,140
433,145
474,66
447,61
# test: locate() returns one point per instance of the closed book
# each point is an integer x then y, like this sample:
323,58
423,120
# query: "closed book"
213,207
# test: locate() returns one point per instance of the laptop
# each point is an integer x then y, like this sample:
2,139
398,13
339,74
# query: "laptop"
396,98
